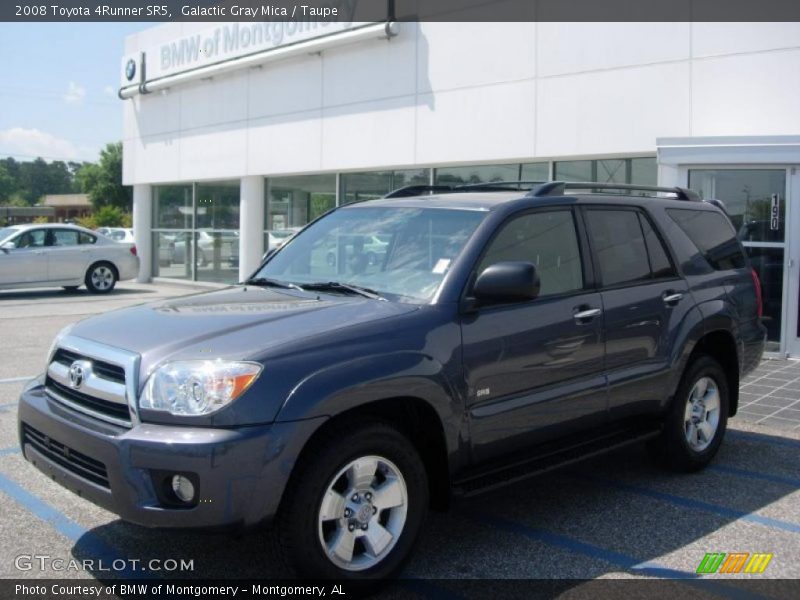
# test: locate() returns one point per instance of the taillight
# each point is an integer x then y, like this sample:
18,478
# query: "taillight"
133,250
759,299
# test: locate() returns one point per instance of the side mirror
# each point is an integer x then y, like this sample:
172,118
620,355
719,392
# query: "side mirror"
510,281
8,246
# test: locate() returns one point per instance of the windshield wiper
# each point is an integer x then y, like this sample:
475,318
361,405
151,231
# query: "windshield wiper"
338,286
266,281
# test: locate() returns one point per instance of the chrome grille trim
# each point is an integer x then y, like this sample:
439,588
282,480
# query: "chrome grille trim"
101,388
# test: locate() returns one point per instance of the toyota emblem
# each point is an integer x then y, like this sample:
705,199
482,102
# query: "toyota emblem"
76,374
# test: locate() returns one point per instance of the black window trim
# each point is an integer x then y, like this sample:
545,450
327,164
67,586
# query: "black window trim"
630,284
586,265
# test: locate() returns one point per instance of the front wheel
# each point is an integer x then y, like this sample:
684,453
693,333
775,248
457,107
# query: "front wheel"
696,423
356,505
101,278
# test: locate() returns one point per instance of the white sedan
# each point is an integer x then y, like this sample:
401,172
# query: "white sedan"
49,255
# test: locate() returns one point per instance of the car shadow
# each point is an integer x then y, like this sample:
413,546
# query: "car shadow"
57,293
614,514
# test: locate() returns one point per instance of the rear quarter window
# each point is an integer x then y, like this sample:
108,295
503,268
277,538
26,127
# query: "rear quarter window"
713,235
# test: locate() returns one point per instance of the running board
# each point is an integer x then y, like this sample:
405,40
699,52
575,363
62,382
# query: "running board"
551,459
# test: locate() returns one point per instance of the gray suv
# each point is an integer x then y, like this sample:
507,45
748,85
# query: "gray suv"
500,332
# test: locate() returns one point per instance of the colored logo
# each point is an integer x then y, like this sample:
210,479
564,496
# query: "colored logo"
130,69
734,562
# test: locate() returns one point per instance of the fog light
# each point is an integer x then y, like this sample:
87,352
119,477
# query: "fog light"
183,488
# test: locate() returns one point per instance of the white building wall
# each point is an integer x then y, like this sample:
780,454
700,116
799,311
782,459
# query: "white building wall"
465,93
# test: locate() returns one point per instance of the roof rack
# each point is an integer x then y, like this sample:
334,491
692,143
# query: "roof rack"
539,188
557,188
497,186
418,190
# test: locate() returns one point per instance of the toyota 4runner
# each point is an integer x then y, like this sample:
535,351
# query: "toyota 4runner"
499,333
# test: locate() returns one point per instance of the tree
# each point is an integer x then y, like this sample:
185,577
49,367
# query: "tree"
106,216
7,184
103,181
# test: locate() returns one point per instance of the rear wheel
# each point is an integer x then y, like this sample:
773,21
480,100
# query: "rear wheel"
356,505
696,423
101,278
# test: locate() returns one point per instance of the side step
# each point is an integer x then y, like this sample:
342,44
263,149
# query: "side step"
549,457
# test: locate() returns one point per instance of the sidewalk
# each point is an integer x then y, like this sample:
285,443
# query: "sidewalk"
771,395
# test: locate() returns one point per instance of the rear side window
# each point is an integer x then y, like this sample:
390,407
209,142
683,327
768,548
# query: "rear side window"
713,235
660,264
549,241
618,245
65,237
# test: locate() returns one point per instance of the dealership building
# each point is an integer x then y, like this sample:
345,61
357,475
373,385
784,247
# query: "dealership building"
237,134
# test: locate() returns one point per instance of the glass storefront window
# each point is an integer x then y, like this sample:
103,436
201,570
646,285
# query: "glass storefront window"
640,171
768,263
172,207
170,257
376,184
294,201
535,172
218,205
476,174
748,196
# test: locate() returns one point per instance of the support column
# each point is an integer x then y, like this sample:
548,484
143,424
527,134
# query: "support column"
251,225
142,230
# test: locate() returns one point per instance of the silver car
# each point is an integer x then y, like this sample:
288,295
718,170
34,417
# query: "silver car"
50,255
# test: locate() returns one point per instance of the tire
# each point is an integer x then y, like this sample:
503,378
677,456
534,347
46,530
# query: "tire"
101,278
71,288
324,485
683,445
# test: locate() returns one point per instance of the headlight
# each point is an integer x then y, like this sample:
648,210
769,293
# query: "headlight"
197,387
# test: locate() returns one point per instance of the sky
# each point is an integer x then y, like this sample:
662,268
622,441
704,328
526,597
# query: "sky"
58,88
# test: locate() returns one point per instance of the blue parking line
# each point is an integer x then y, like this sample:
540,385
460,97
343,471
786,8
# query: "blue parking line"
648,568
8,405
85,541
753,436
693,504
9,451
790,481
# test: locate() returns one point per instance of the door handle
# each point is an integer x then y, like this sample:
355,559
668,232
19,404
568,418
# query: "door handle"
586,314
672,298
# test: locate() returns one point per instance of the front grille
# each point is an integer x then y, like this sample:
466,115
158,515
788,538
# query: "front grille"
97,405
73,461
103,369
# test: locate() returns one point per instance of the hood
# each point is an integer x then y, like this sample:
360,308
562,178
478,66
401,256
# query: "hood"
241,322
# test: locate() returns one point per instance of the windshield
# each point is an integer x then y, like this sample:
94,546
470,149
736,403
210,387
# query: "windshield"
400,253
7,232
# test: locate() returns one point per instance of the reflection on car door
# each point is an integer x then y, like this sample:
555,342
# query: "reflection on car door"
535,369
67,260
644,300
27,262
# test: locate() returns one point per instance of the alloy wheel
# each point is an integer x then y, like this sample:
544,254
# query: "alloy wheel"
701,415
362,513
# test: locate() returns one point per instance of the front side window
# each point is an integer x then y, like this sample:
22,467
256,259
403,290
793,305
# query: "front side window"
34,238
713,235
618,246
401,253
546,239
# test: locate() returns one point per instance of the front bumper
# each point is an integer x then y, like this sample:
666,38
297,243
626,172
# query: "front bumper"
241,473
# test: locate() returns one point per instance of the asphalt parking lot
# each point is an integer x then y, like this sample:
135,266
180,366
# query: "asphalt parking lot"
617,516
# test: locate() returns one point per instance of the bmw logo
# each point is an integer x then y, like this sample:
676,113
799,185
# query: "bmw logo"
130,69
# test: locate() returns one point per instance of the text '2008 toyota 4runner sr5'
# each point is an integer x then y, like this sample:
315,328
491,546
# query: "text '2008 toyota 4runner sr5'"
400,351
